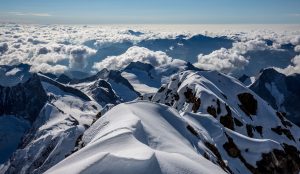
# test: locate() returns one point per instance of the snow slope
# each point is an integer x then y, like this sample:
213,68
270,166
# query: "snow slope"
142,76
54,133
137,137
145,137
146,78
242,112
105,87
196,122
48,119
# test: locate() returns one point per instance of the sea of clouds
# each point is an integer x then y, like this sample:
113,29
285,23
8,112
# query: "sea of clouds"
61,48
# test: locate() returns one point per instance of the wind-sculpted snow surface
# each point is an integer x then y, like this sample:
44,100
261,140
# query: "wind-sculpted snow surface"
138,137
144,137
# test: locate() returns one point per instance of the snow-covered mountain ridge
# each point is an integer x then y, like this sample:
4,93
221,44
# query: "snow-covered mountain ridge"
142,119
242,113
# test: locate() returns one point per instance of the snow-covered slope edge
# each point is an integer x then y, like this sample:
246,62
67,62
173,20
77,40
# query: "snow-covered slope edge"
244,115
139,137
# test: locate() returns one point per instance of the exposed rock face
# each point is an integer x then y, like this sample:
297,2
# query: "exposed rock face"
106,75
282,131
65,88
227,119
231,148
248,103
279,161
216,152
191,98
103,93
25,99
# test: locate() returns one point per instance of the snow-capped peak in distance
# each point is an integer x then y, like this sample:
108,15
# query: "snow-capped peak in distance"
280,91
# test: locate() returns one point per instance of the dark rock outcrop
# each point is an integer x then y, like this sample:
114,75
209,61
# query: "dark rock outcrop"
25,99
248,103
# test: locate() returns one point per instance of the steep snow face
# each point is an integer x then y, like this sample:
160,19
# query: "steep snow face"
138,137
12,129
120,85
235,107
281,91
143,77
100,90
246,80
54,134
272,88
147,79
48,117
106,87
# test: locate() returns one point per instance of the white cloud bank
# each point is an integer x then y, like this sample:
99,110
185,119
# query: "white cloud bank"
79,54
225,60
297,48
47,46
36,47
134,54
228,60
293,68
46,68
59,48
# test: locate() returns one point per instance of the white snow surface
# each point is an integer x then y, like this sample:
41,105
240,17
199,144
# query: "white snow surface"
137,137
138,78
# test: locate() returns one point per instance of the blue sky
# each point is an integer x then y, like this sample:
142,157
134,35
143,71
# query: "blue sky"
151,11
